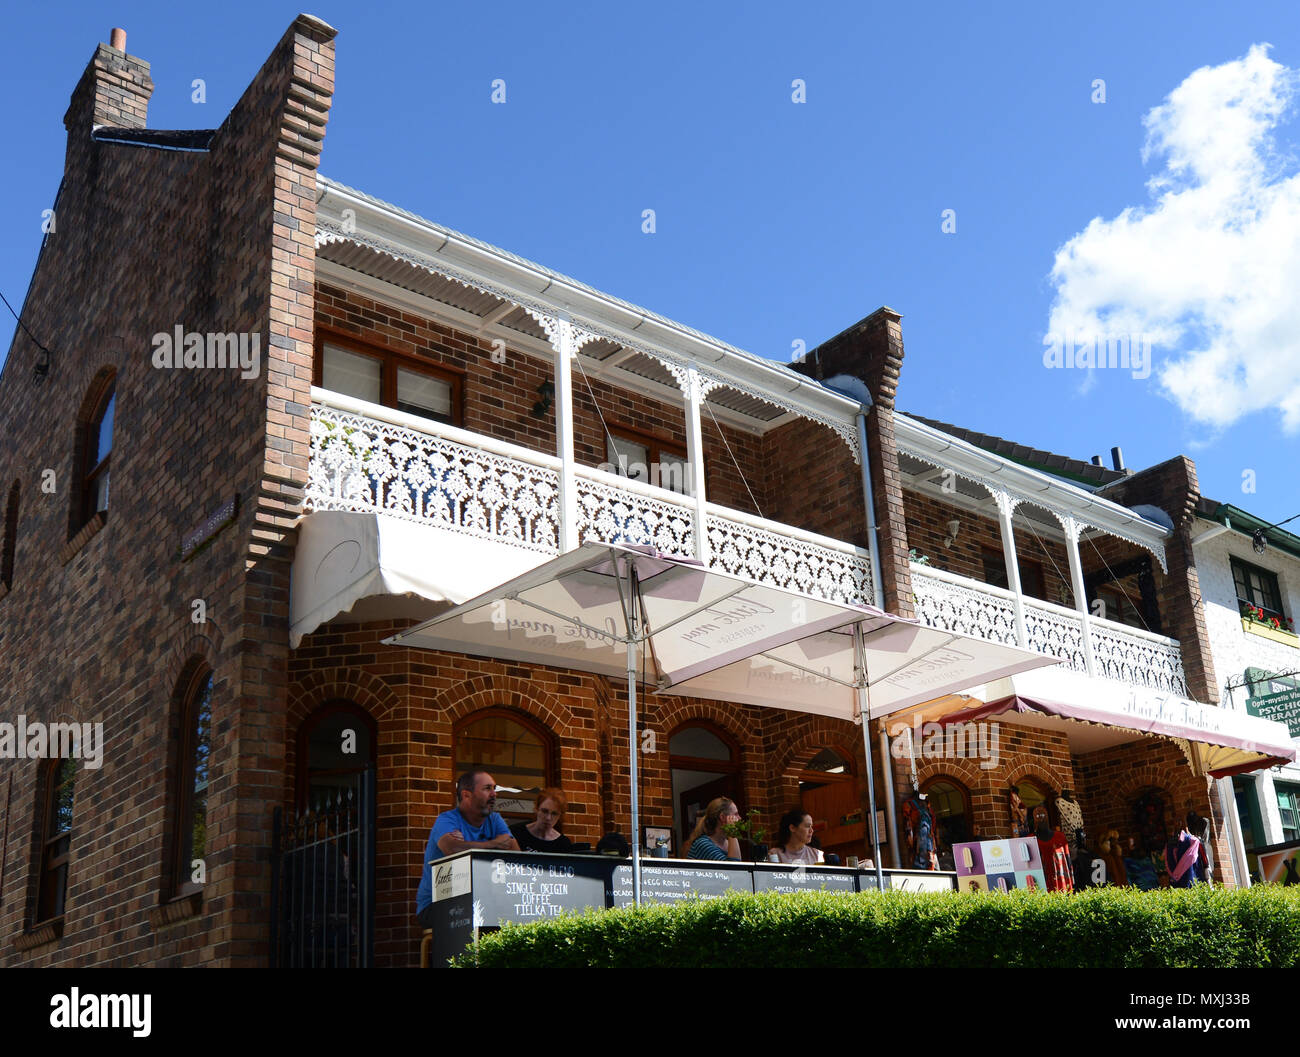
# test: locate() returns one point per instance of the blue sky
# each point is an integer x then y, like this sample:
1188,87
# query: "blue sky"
778,222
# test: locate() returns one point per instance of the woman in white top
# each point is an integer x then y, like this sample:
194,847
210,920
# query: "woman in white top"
792,839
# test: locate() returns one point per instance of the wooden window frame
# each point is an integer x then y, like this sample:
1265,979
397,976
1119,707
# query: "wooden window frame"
50,861
390,359
704,763
91,475
187,745
655,444
529,723
1246,567
987,553
827,777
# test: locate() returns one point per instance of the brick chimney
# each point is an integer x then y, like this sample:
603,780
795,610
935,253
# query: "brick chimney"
114,90
872,351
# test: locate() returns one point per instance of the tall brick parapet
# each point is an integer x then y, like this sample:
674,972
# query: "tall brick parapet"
1172,487
872,351
145,240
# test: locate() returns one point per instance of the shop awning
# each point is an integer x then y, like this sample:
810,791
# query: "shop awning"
1217,741
343,558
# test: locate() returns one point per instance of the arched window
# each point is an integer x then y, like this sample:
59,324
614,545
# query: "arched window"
194,748
336,744
94,448
56,838
704,763
514,749
1035,793
10,537
950,801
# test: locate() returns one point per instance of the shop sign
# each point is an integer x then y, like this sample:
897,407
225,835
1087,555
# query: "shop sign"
1283,707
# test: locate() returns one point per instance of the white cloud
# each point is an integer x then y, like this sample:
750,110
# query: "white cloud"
1210,269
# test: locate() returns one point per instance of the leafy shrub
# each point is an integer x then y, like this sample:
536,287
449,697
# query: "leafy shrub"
1101,928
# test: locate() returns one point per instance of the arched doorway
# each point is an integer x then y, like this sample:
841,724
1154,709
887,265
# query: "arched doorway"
950,801
705,763
336,745
828,790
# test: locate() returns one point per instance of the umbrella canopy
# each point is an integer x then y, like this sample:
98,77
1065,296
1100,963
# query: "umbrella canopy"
709,634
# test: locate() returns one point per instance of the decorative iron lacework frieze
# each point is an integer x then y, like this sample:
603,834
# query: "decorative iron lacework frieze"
585,330
1134,659
783,561
609,515
951,607
1056,634
1003,494
361,464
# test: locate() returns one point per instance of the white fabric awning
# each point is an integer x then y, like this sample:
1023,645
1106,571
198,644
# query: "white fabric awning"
713,635
342,558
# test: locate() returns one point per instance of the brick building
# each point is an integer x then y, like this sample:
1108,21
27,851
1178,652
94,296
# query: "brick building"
326,418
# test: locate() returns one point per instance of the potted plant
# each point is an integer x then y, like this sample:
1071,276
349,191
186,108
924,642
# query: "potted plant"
749,829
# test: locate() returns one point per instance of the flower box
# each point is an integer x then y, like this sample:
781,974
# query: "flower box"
1254,627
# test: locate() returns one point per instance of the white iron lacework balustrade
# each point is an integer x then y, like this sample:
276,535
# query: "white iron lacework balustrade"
1057,633
361,464
952,607
1130,657
611,515
784,561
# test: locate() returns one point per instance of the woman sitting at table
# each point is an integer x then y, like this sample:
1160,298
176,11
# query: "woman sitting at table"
709,840
793,839
542,834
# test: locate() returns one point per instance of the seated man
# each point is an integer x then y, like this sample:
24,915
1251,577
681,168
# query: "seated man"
472,824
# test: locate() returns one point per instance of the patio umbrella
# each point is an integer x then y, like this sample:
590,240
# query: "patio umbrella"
707,633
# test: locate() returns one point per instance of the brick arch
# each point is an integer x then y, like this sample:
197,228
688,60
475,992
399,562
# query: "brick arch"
966,771
1146,775
313,689
104,379
821,731
501,691
1021,765
683,710
188,644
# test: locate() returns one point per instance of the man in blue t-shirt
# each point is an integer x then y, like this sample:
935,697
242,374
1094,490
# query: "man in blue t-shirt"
472,824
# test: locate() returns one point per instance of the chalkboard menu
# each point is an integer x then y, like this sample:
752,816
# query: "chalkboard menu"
536,887
796,879
671,884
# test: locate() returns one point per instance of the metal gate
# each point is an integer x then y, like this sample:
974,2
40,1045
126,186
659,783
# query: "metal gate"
323,881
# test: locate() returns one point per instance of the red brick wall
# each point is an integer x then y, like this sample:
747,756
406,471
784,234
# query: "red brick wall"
100,629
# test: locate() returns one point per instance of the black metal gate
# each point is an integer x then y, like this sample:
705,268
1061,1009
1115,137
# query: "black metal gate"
323,881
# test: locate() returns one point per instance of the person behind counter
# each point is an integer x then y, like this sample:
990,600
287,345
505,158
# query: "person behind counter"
473,823
708,840
794,839
542,834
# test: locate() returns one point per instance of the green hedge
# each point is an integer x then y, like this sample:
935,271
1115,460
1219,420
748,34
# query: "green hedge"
1100,928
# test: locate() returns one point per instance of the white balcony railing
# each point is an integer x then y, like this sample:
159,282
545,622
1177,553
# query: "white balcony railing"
370,458
956,603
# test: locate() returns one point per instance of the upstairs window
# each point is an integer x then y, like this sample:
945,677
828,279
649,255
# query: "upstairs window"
648,459
1258,587
10,538
394,380
98,450
995,573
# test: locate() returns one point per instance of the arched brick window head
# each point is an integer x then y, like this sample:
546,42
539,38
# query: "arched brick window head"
99,449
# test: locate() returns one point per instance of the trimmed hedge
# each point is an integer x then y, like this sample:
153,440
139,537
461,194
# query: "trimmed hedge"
1201,927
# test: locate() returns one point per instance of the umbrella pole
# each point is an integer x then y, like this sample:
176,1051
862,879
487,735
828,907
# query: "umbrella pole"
632,754
864,711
